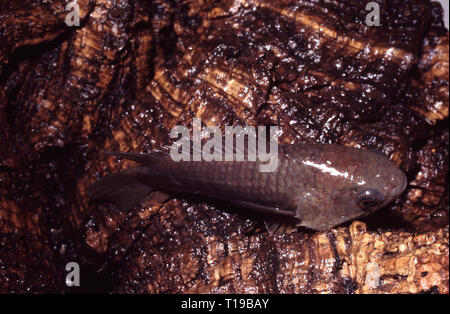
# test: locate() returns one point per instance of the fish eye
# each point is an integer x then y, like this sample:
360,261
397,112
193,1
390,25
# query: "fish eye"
369,198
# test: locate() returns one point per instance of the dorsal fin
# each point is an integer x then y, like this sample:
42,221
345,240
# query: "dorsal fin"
144,159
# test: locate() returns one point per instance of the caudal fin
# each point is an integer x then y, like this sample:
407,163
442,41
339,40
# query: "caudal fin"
125,189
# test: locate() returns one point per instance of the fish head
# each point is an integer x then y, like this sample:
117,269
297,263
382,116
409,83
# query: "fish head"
376,182
349,183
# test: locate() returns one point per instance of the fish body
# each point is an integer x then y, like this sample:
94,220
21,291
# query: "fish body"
319,185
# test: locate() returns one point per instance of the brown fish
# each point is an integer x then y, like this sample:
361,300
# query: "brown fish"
317,185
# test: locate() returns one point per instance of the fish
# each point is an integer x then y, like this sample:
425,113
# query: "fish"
316,186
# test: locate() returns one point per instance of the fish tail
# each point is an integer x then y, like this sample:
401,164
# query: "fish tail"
125,189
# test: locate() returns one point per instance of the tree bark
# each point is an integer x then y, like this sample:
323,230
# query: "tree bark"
132,71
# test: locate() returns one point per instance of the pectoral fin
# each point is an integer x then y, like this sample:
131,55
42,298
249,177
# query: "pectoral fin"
280,223
264,208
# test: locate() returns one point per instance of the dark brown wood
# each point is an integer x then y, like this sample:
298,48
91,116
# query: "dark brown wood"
129,73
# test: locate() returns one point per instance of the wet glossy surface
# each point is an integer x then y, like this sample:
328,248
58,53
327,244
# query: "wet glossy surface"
131,72
320,184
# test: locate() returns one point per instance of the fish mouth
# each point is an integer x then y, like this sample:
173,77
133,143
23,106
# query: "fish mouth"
401,188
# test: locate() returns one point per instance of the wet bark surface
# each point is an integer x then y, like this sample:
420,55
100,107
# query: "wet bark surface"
132,71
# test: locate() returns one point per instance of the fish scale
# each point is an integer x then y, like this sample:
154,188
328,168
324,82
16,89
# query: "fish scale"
321,185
